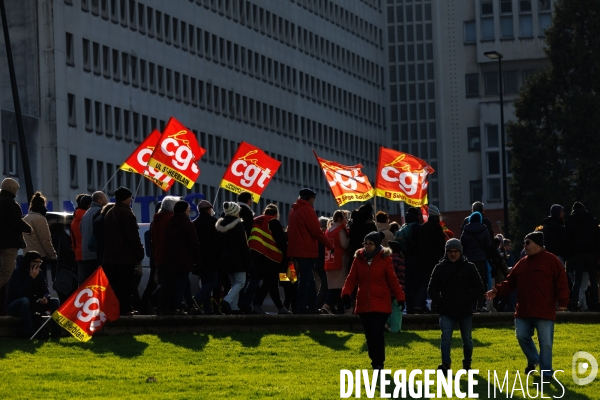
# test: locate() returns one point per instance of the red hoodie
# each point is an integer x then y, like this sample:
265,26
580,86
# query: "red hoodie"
76,233
304,231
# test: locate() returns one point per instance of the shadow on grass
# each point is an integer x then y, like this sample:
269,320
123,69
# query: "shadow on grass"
332,340
126,346
20,345
197,343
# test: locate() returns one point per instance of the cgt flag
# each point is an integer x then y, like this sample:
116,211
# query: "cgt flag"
402,177
137,162
346,183
88,309
177,153
250,170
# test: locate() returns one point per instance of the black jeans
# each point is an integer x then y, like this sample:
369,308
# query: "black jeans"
374,326
585,263
121,278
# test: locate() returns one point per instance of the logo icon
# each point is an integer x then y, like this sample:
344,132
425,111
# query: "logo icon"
581,368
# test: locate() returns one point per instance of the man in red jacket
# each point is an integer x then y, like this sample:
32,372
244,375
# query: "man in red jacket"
541,282
304,233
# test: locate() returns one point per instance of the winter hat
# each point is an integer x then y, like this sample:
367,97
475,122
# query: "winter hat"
433,211
395,246
29,257
10,185
536,237
577,205
475,217
555,210
204,204
366,208
168,203
454,244
181,207
306,192
231,208
85,201
122,193
375,237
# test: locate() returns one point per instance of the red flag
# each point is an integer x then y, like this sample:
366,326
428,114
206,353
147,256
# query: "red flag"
88,309
177,153
402,177
250,170
137,162
347,183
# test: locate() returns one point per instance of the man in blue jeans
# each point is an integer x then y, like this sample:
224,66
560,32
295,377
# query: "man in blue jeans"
304,233
454,285
541,282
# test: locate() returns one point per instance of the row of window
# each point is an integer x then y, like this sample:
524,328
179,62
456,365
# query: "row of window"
409,33
411,52
417,131
130,125
411,72
408,112
510,82
426,91
10,167
420,12
494,190
189,38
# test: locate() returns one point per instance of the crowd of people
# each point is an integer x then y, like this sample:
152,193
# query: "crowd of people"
365,263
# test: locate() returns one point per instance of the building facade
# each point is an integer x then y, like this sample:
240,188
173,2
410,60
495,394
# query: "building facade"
445,94
289,76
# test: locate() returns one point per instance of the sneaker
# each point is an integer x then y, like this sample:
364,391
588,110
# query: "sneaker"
530,368
466,365
284,311
258,310
444,368
326,310
225,308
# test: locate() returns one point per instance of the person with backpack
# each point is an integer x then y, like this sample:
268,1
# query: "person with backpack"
408,237
89,243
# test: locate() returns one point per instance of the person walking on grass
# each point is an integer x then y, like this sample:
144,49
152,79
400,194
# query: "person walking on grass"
373,273
336,262
541,282
454,285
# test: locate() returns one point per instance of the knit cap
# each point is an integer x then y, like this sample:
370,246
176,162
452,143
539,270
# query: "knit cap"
375,237
231,208
454,244
537,237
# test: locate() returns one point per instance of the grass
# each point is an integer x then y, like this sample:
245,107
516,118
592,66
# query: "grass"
248,365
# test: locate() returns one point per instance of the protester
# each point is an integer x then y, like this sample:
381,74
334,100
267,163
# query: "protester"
372,272
160,252
541,282
478,207
83,204
61,241
123,248
304,233
12,228
319,268
40,240
553,228
149,300
99,231
394,322
235,254
382,223
28,293
361,224
394,227
408,237
268,245
336,262
183,251
246,213
454,285
89,241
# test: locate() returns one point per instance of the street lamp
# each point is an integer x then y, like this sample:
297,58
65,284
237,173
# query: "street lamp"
494,55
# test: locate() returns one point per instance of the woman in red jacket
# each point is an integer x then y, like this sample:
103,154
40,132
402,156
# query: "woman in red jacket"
83,203
373,273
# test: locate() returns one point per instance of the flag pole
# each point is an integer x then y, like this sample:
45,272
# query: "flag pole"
111,178
44,324
216,196
138,187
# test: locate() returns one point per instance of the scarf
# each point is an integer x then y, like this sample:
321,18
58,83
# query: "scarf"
370,255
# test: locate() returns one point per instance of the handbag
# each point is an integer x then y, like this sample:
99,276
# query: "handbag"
65,282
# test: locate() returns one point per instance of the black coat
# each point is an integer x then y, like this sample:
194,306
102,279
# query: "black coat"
582,233
454,286
432,245
21,284
247,215
235,253
476,242
61,241
485,221
183,248
12,225
362,224
208,238
554,236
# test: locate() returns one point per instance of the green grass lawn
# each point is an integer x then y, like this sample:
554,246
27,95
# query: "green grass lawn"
259,365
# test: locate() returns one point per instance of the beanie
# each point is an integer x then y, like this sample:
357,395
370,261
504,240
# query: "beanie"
536,237
181,207
454,244
231,208
29,257
395,246
475,217
204,204
375,237
577,205
122,193
433,211
10,185
555,210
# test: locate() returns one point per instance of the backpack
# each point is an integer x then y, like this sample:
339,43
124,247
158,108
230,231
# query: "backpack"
92,243
404,237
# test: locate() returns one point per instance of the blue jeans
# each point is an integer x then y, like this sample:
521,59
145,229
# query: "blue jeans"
209,279
23,308
447,326
545,332
307,290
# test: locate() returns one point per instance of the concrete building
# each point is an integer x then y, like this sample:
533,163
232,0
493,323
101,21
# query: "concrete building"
444,93
96,76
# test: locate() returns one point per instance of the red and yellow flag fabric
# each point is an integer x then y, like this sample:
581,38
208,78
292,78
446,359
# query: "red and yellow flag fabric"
250,170
177,153
347,183
402,177
137,162
88,309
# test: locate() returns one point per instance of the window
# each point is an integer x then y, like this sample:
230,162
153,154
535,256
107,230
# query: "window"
526,74
115,64
493,161
73,171
474,138
106,62
545,15
494,191
470,32
86,55
98,116
487,29
492,136
476,189
506,6
491,83
117,119
525,6
88,115
526,26
100,174
487,7
511,84
90,174
108,130
472,81
506,27
70,58
71,110
96,57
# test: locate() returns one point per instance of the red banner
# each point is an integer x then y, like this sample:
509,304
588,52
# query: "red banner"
177,153
137,162
88,309
347,183
250,170
402,177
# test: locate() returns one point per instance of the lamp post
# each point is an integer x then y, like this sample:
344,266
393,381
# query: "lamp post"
494,55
